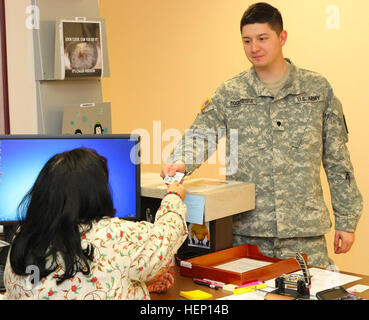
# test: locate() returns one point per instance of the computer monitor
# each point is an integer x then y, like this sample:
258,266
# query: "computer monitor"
23,156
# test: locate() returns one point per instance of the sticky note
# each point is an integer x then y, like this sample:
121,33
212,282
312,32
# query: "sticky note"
229,287
249,288
195,208
195,295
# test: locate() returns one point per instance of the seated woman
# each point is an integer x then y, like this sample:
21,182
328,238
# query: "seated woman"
70,246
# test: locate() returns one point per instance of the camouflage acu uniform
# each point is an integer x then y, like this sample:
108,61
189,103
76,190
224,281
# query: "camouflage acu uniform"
282,142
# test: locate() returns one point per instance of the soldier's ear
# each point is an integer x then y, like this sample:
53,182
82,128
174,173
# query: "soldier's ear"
283,37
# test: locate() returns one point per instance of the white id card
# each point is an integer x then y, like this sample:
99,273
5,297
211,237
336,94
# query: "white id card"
177,177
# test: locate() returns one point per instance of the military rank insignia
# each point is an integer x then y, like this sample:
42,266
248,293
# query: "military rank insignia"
205,105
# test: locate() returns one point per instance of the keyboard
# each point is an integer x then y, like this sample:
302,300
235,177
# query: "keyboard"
2,286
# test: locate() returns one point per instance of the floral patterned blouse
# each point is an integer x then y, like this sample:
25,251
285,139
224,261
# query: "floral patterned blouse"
127,254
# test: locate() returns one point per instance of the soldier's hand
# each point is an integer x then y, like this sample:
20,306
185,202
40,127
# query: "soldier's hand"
171,169
343,241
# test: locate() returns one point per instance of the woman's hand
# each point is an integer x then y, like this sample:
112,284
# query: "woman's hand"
179,188
161,282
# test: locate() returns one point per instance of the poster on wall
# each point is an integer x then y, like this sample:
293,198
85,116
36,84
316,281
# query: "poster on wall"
199,235
87,118
79,51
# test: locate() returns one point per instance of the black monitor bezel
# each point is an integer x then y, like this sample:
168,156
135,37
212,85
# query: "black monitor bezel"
135,137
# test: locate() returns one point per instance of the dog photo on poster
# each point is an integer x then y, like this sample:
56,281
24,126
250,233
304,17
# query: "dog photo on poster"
82,48
199,235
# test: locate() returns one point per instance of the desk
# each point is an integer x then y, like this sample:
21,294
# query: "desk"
182,283
186,284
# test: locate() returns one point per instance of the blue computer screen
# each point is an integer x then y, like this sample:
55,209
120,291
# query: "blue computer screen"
21,160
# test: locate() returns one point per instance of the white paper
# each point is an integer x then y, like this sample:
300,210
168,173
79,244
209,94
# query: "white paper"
358,288
242,265
323,279
195,208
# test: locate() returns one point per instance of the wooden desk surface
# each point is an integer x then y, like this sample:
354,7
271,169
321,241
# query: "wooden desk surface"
182,283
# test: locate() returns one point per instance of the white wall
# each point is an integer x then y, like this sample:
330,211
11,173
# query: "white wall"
21,72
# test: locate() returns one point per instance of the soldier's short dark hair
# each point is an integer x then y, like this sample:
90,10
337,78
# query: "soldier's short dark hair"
262,12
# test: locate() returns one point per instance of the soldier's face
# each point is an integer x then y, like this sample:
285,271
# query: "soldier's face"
262,45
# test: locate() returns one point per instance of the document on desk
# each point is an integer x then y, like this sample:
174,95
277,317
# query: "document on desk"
242,265
323,279
195,208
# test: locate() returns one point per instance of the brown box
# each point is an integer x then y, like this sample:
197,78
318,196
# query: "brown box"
205,266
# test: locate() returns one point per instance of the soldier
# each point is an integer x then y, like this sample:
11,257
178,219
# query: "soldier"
289,122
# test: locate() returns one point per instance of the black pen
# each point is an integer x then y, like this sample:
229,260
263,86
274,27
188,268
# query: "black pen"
205,283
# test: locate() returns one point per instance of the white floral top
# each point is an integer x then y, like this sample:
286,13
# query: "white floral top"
126,255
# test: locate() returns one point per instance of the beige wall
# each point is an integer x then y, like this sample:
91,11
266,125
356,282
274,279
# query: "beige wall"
21,70
168,56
